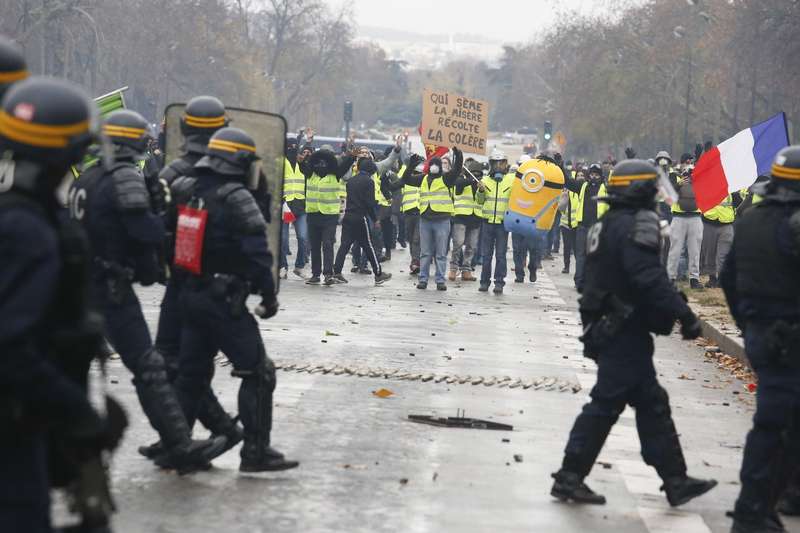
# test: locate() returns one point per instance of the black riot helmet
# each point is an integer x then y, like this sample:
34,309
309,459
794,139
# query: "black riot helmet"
46,125
634,182
12,64
128,132
202,117
786,167
230,152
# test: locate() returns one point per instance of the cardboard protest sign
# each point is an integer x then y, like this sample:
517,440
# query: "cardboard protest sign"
453,120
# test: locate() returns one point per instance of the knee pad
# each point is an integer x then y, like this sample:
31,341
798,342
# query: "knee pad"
263,375
150,368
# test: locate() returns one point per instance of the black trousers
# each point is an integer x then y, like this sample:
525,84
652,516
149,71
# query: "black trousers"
569,244
321,237
356,231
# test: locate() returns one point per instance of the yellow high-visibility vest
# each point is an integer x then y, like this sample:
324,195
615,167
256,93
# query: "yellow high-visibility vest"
602,207
294,182
723,213
322,195
571,221
379,197
435,196
464,203
494,200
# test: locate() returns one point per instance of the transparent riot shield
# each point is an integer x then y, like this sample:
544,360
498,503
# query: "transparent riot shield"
269,133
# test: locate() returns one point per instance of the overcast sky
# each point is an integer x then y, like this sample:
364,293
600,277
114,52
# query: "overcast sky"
499,20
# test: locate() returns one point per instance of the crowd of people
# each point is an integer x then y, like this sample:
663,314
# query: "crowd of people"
462,230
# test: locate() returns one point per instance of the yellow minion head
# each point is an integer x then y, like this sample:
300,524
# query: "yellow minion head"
535,192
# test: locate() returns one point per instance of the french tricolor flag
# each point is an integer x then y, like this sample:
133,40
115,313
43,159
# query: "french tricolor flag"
736,163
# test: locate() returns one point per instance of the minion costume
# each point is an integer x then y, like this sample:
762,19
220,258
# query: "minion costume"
532,208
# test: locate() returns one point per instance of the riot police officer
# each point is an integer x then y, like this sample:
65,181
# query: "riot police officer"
760,281
233,262
114,207
47,335
202,116
627,295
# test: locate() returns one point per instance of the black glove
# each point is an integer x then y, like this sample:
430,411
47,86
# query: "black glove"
415,160
558,158
691,327
268,307
630,153
159,194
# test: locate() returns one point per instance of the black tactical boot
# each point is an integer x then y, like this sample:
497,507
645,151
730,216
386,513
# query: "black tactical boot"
160,404
151,451
263,459
213,417
570,486
681,489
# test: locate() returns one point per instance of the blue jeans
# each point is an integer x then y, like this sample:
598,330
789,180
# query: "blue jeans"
301,230
536,247
495,241
433,239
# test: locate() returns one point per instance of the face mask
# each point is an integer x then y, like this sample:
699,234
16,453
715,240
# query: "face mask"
321,170
434,169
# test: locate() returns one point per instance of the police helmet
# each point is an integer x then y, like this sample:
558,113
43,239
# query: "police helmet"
128,131
231,152
633,180
49,124
12,64
203,116
786,167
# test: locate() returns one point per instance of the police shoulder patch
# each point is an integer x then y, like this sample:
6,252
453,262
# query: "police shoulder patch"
646,230
241,209
130,191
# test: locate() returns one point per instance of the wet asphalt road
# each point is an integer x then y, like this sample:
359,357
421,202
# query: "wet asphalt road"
365,467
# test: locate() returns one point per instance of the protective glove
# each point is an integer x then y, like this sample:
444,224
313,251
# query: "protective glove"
630,153
415,160
691,327
268,307
159,194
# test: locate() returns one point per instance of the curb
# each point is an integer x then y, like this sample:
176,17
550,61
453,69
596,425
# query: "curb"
729,344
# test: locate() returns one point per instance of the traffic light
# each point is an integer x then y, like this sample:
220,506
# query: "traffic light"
548,130
348,111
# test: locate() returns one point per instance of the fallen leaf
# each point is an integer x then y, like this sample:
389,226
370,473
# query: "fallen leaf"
382,393
331,334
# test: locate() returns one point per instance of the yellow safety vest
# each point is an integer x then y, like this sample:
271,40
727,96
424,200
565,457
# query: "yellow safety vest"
435,195
569,220
379,197
602,207
410,198
464,203
723,213
322,195
294,182
495,199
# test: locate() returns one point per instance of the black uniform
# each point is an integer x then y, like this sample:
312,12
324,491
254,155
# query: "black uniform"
760,280
126,237
627,296
235,263
47,334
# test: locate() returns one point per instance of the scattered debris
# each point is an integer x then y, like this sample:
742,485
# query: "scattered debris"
404,481
382,393
605,465
435,476
505,440
518,457
459,422
331,334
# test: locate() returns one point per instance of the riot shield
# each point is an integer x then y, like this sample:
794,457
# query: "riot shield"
269,133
